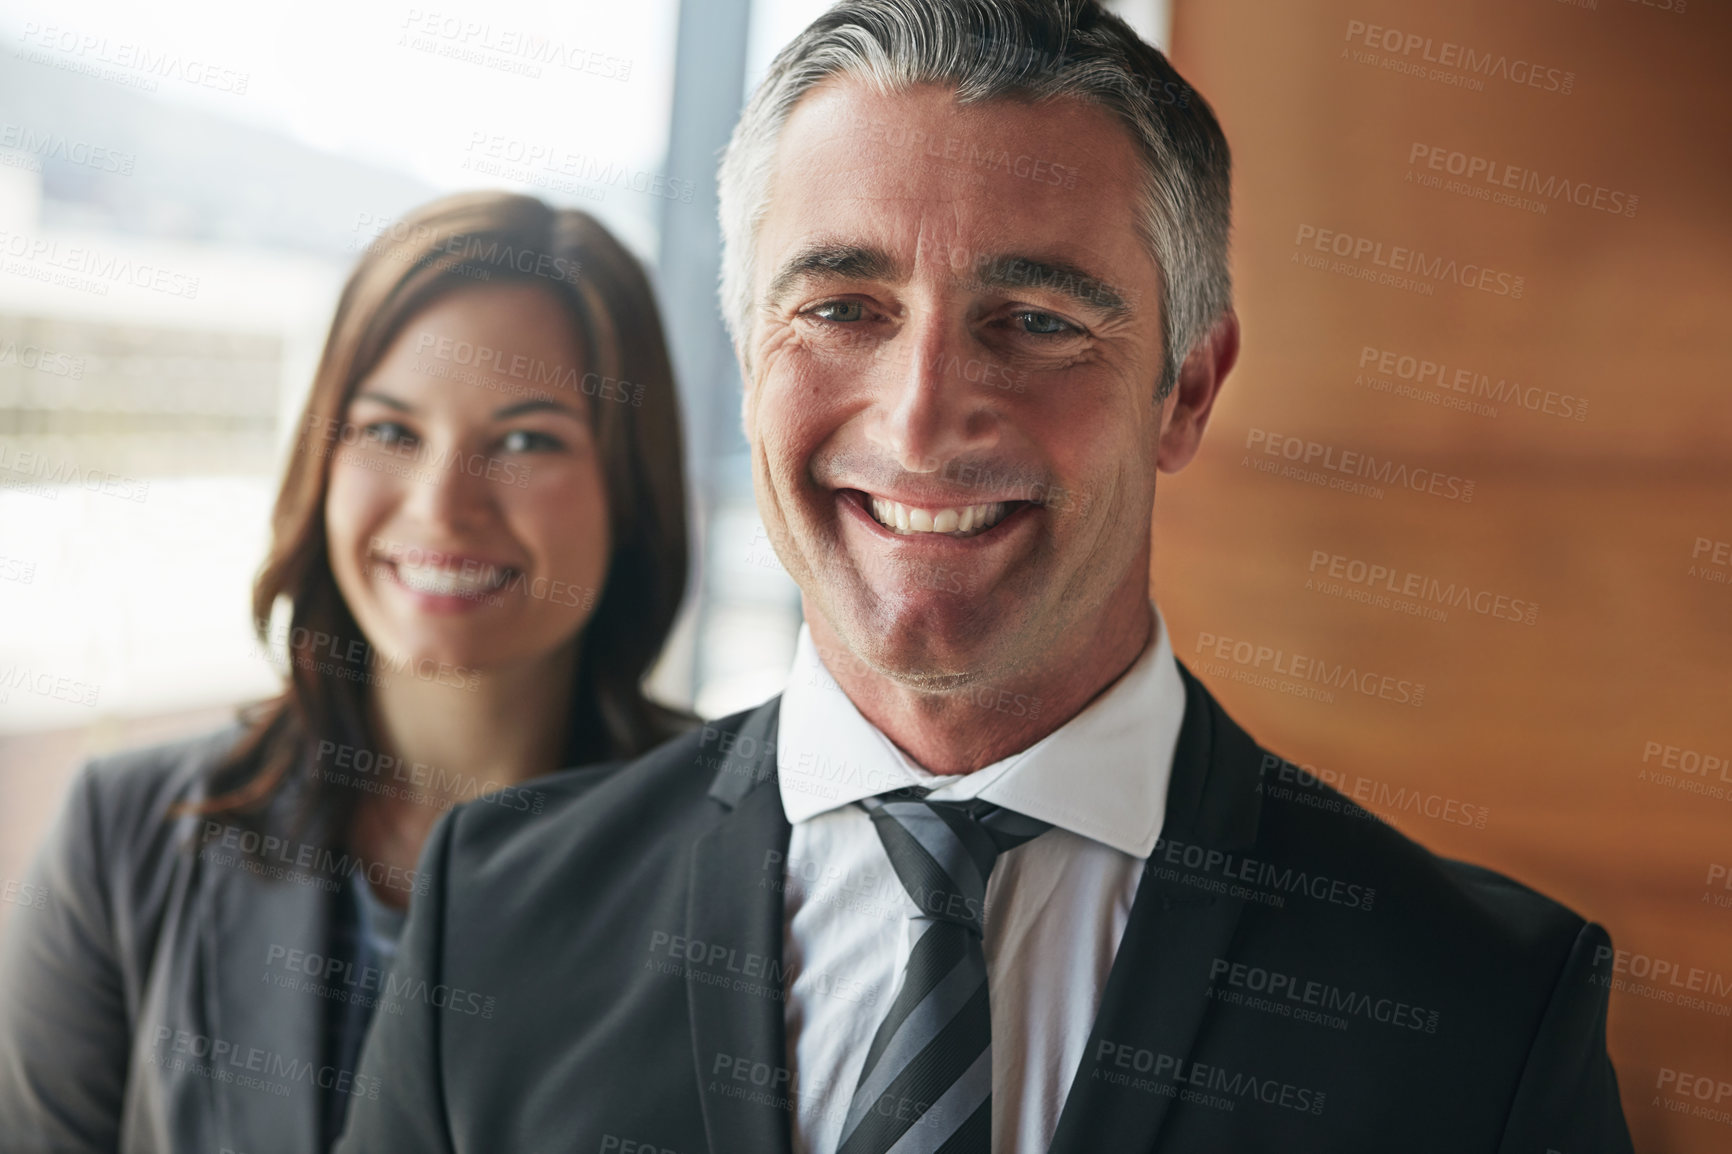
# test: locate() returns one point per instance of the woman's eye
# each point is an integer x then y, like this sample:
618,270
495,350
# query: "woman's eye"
529,441
1042,324
387,433
842,312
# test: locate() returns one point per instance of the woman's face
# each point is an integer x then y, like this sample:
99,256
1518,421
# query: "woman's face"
466,514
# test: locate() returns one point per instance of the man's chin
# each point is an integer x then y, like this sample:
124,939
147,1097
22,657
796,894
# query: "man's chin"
913,634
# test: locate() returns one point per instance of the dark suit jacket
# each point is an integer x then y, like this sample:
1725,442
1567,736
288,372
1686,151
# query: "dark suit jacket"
1295,976
149,999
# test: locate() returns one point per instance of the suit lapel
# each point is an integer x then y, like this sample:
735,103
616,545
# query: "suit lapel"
729,908
246,1008
1153,1006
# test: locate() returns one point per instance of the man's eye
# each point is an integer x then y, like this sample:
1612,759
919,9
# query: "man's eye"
1042,324
842,312
529,441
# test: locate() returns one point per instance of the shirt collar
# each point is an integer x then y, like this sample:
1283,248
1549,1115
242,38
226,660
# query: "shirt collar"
1103,774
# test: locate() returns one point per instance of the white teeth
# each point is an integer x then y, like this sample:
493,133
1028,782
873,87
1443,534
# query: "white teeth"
957,520
449,582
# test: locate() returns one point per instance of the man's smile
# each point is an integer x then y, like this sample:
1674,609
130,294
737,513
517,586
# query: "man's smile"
978,523
954,520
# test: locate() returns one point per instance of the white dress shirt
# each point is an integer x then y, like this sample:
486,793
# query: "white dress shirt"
1056,906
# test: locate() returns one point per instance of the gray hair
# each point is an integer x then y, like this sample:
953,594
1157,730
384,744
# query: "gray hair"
995,49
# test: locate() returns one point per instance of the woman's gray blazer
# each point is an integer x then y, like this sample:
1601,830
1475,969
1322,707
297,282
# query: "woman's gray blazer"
155,997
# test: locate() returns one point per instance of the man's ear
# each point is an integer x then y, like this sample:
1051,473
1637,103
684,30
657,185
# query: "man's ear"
1187,408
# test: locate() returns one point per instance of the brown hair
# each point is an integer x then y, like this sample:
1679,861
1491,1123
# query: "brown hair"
458,242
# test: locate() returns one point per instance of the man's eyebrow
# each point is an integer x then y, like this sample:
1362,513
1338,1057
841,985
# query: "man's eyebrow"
1011,271
839,261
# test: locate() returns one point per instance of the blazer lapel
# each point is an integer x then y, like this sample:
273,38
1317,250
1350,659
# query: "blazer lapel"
730,909
250,918
1153,1006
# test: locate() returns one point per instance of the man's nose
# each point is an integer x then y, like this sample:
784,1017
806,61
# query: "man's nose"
929,409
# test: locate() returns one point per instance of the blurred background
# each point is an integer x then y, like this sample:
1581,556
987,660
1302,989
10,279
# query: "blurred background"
1479,442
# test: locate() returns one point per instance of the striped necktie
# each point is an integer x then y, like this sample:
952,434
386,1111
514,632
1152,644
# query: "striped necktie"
926,1087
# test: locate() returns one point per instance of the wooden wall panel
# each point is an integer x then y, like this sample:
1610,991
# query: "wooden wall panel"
1580,737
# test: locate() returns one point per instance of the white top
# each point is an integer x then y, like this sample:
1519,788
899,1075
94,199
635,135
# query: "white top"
1056,906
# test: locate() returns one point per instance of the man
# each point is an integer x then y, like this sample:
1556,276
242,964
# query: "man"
995,872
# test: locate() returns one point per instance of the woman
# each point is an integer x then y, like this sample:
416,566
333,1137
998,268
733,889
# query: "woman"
478,549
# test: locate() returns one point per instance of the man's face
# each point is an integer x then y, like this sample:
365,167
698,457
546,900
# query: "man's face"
952,369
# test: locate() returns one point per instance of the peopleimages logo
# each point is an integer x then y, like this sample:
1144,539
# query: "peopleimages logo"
90,54
1501,178
1688,761
1455,62
68,689
88,269
1302,670
1302,782
1401,264
365,769
1203,1084
1323,997
1717,569
1430,592
343,979
1696,1095
1206,863
506,155
40,360
1663,980
223,1060
1309,456
1460,388
26,467
300,860
57,146
326,436
535,372
506,49
973,155
396,239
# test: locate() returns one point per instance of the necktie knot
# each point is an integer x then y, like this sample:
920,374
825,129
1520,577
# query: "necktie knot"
943,851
